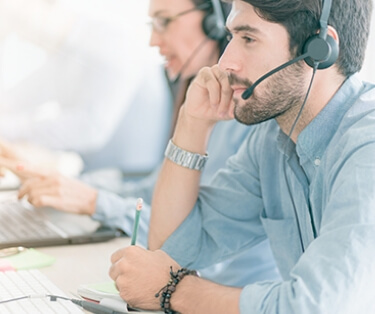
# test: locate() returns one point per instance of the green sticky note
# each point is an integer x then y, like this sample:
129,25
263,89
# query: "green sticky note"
29,259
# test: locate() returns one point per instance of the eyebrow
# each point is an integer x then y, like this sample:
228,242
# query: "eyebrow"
244,28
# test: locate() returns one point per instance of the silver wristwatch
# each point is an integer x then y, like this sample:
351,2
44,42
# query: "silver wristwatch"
184,158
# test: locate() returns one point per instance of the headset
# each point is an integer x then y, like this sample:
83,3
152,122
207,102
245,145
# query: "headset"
214,22
322,48
319,51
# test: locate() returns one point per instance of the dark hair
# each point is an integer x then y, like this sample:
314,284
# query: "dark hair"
350,18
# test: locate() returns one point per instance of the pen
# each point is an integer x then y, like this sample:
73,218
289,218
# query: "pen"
136,221
95,308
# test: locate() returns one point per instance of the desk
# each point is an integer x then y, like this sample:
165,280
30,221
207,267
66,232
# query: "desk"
77,264
81,264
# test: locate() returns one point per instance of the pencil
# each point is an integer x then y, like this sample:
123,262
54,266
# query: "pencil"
136,221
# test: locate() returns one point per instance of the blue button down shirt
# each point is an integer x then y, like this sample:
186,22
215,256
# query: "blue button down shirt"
315,201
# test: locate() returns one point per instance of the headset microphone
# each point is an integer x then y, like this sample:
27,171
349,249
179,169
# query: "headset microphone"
248,92
319,51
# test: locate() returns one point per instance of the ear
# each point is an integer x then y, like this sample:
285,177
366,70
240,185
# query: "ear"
331,31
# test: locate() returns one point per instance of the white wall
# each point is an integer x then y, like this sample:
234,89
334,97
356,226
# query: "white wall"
368,70
22,52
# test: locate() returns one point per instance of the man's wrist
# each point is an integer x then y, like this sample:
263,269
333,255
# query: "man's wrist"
192,134
167,291
185,158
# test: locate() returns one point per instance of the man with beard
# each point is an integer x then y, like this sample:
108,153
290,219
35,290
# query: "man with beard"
304,179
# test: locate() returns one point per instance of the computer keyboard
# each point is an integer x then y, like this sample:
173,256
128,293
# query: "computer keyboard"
14,284
30,223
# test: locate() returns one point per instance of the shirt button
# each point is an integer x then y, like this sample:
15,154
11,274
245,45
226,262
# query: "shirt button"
317,162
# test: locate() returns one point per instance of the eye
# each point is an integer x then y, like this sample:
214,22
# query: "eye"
163,21
160,23
247,39
229,36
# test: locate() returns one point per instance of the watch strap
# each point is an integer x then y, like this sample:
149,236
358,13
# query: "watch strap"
185,158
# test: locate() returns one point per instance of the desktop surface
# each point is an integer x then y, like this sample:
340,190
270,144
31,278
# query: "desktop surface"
73,266
76,265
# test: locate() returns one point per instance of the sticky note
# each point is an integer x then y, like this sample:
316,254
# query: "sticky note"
29,259
5,265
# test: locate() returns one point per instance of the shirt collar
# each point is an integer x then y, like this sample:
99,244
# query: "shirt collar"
314,139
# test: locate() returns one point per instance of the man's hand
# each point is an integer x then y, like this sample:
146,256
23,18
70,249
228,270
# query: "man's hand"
210,96
139,274
59,192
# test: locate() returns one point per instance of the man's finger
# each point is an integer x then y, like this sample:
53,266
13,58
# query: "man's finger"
226,91
116,256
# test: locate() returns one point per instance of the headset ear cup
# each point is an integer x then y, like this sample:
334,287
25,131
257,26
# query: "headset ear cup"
211,28
321,49
333,55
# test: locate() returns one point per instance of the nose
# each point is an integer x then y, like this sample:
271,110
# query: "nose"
155,39
230,59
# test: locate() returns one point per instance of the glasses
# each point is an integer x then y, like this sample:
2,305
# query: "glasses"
160,23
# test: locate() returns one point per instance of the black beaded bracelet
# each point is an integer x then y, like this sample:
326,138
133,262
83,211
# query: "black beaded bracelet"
165,293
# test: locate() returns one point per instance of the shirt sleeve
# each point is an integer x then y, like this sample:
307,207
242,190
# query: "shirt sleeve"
230,205
117,212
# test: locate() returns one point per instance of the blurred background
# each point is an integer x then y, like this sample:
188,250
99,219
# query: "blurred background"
78,75
30,30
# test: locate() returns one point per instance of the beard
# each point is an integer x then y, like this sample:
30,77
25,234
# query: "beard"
281,92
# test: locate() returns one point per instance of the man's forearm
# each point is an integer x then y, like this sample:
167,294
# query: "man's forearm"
177,188
196,295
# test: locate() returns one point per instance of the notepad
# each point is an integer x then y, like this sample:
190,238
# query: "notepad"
99,291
